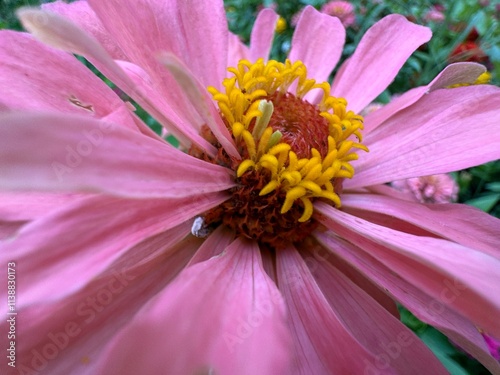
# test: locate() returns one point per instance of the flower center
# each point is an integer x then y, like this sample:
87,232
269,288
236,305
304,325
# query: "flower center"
293,152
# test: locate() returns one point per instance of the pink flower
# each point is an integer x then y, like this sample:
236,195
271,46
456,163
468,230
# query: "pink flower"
296,262
344,10
434,15
438,188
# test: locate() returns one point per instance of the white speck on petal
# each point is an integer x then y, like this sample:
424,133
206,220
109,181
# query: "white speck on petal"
199,229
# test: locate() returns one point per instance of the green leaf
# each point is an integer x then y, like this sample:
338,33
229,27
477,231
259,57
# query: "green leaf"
481,22
443,350
414,63
172,140
493,186
485,203
410,320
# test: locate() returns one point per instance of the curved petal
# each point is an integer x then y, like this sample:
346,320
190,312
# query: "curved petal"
9,229
317,42
214,245
56,82
429,310
190,121
434,265
191,27
223,315
459,73
62,251
261,39
201,102
382,51
81,324
457,222
80,13
62,34
63,152
184,28
383,335
445,131
314,253
320,336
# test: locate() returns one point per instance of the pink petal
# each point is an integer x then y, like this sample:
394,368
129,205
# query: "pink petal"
82,323
317,42
435,135
184,28
268,262
66,152
380,54
320,336
456,222
81,14
382,334
83,238
9,229
389,191
463,72
318,254
425,308
237,51
262,36
222,315
54,82
201,102
17,206
431,264
210,29
214,245
189,123
62,34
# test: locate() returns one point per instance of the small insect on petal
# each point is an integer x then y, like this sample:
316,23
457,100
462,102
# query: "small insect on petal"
199,228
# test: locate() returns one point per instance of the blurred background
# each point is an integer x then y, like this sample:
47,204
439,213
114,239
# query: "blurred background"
463,30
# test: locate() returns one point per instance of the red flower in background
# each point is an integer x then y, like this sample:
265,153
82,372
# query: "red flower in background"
470,50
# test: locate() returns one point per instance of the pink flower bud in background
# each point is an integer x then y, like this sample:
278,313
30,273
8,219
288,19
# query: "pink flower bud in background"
371,108
434,15
438,188
344,10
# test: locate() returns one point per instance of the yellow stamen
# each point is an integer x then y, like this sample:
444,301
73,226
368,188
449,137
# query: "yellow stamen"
244,166
247,109
270,187
308,209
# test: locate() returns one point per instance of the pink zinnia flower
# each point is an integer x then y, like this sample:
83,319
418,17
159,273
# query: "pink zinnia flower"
438,188
434,15
344,10
300,259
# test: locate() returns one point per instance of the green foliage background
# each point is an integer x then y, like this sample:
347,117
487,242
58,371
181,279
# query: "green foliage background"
479,186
